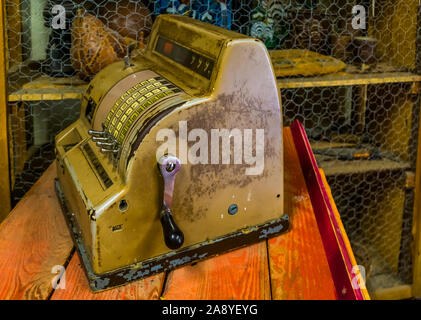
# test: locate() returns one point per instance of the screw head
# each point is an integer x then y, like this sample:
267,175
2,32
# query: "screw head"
232,209
170,166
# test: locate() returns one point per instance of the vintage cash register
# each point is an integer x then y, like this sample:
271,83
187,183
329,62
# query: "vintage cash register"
177,155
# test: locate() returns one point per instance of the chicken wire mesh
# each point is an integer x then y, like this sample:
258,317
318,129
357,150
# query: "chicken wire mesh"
364,134
369,161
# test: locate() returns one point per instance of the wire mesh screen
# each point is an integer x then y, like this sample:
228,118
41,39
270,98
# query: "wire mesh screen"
33,127
346,69
363,138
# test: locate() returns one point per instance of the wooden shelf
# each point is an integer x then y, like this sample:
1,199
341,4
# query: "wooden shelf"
49,88
343,167
35,87
347,79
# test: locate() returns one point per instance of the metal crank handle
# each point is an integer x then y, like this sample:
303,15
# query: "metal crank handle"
168,166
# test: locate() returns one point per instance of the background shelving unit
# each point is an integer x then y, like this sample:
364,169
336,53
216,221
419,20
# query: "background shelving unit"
364,129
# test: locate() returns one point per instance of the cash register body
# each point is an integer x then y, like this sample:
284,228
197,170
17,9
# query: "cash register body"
113,198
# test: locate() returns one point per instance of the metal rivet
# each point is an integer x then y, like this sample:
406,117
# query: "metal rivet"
232,209
170,166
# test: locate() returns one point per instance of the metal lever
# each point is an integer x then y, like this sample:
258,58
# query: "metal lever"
127,57
96,133
95,139
168,166
105,150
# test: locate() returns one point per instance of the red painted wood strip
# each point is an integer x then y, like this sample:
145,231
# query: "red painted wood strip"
298,264
359,279
77,288
337,254
33,239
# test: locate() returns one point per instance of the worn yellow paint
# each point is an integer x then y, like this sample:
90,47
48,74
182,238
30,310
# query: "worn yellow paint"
48,88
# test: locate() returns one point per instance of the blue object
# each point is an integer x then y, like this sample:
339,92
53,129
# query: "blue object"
217,12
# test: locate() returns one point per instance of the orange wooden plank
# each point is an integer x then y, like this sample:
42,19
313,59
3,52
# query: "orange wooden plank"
240,274
77,288
298,264
33,239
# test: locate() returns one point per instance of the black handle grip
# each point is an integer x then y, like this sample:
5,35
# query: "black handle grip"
173,236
